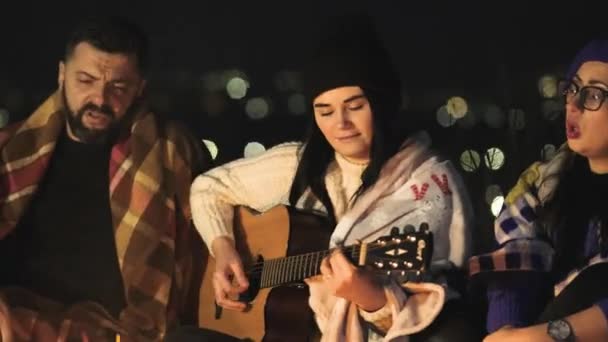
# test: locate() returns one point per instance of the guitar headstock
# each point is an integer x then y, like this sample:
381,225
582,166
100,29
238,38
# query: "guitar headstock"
401,252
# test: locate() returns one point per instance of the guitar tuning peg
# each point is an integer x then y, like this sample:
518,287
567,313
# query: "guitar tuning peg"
408,229
424,227
394,231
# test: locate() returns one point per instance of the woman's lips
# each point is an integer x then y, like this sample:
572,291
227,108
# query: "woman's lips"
347,137
572,130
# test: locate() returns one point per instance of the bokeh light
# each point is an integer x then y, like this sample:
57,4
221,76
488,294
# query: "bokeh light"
494,158
470,160
457,107
253,149
444,118
548,86
548,152
212,147
237,88
496,205
257,108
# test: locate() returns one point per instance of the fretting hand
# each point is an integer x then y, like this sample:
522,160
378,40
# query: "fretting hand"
354,284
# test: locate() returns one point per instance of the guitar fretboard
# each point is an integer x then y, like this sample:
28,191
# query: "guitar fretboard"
295,268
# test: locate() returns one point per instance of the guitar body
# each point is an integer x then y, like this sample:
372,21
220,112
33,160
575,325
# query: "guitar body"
275,314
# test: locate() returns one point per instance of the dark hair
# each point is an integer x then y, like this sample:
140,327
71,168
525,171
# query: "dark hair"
112,35
317,153
565,216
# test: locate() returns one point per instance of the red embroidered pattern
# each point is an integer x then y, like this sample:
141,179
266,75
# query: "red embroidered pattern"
443,183
419,194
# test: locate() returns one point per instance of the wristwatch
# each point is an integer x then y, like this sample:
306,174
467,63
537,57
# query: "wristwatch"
560,331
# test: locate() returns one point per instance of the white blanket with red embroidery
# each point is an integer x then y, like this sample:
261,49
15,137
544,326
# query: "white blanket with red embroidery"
415,186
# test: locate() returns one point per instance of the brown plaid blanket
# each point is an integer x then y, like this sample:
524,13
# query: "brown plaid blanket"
151,169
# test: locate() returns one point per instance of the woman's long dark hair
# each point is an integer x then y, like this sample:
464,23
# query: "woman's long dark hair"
566,214
317,153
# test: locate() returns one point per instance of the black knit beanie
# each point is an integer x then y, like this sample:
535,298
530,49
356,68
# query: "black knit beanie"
349,52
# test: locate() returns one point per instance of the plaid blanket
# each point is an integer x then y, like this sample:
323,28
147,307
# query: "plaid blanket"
522,245
151,168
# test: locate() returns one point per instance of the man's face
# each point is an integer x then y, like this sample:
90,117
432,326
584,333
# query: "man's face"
99,88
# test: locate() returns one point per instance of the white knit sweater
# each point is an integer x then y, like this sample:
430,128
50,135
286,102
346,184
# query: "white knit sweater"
261,183
264,181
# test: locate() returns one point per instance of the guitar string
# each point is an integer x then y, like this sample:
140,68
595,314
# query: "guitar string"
259,265
258,268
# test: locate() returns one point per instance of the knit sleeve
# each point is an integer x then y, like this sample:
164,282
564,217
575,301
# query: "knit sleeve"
258,183
514,302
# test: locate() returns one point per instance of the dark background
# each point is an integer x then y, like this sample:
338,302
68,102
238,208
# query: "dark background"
442,49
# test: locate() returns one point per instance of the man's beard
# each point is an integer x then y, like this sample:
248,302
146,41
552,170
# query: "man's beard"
88,135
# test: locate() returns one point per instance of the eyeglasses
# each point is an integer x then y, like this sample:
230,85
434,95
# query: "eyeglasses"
589,97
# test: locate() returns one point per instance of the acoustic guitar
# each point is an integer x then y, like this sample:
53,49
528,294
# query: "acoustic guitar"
283,246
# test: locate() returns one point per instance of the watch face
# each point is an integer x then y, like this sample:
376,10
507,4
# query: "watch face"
559,330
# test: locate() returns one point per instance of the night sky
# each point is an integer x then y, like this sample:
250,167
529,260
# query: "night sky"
487,56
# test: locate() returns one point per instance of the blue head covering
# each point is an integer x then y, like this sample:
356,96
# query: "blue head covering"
595,50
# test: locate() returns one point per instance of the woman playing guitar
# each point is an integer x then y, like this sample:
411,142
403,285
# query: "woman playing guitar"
367,173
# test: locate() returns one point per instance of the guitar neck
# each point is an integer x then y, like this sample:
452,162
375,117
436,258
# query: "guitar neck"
397,254
280,271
